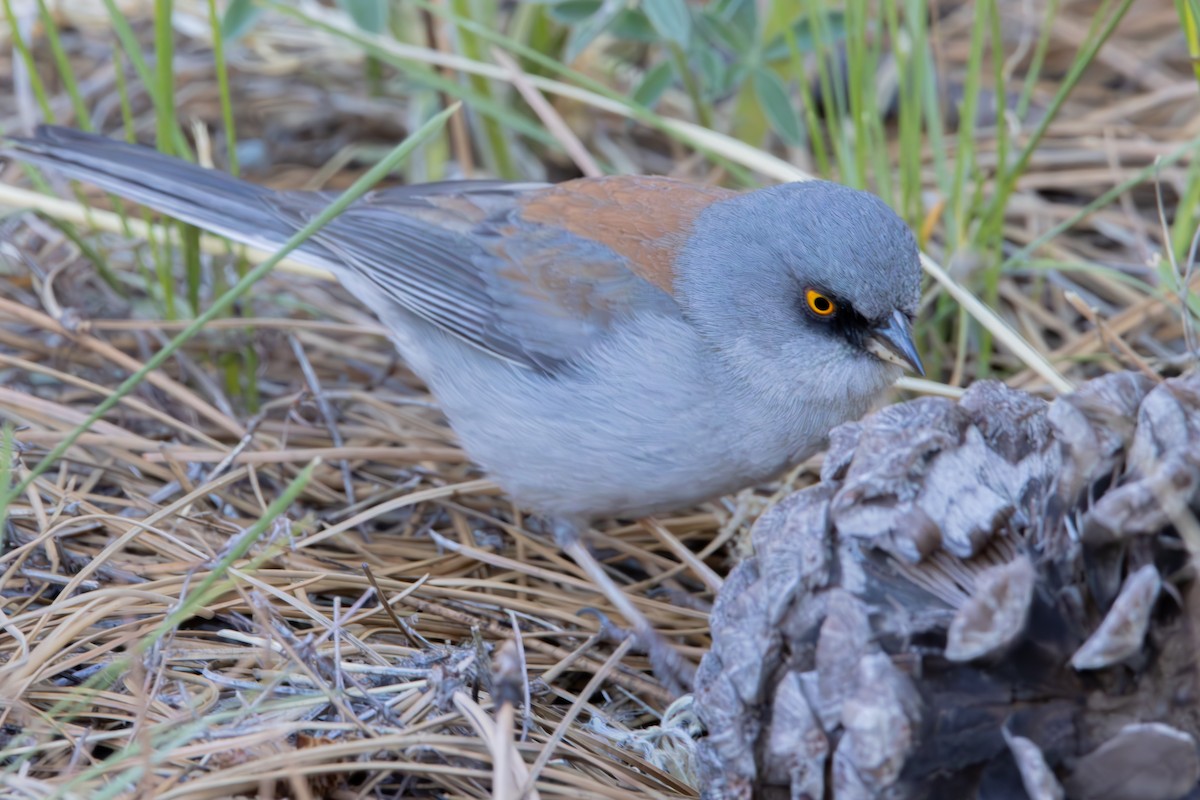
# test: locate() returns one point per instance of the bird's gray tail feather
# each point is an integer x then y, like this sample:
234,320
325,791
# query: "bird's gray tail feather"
208,199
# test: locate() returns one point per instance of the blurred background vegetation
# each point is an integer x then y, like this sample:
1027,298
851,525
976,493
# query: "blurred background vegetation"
1043,150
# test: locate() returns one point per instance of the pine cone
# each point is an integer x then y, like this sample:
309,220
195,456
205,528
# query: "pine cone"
990,598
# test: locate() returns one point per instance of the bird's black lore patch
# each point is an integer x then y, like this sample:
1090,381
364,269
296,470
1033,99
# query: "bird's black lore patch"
845,322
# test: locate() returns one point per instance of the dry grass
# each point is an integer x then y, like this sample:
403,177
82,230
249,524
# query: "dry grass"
351,651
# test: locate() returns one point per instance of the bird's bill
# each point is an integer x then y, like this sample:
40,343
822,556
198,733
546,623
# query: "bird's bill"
892,342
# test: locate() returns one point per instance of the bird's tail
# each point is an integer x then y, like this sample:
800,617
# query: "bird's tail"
211,200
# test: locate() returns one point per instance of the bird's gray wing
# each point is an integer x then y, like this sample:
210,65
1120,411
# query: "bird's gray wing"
465,260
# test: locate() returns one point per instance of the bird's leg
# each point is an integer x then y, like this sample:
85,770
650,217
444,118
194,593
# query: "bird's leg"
675,671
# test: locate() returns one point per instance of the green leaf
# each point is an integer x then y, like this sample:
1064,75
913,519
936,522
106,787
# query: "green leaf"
671,19
735,22
592,27
721,32
777,105
716,74
806,37
742,12
654,84
239,17
371,16
572,12
633,26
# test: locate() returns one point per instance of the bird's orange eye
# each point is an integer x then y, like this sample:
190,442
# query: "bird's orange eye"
819,304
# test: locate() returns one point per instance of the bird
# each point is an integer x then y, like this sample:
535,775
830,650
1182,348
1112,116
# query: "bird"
604,348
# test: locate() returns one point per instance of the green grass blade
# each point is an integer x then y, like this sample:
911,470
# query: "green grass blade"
964,154
1103,26
166,132
227,116
496,150
63,64
35,79
133,50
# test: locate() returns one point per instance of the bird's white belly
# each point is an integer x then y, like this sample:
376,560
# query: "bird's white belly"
638,431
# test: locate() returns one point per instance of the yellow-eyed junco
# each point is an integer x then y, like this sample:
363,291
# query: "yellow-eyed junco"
604,347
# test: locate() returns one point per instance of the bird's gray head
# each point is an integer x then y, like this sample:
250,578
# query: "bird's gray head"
804,286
